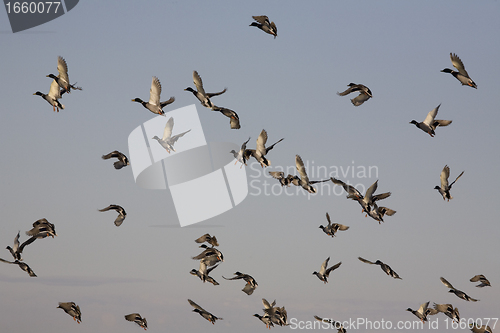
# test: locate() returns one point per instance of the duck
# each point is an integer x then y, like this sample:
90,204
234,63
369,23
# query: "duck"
136,318
209,252
250,285
241,155
17,250
261,151
462,74
324,272
421,313
364,93
53,96
200,93
265,319
72,309
212,240
459,293
122,159
444,189
21,265
332,323
430,123
481,278
448,310
167,141
386,268
304,179
62,79
367,200
154,105
121,213
203,271
42,228
377,213
234,119
204,313
332,228
264,25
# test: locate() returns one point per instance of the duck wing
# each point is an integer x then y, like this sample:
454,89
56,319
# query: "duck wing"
261,143
196,306
366,261
460,175
167,132
386,211
429,119
328,219
62,68
155,91
299,164
272,146
234,120
381,196
441,123
277,174
446,283
198,83
334,267
263,19
27,242
323,266
210,95
176,137
167,102
444,177
458,64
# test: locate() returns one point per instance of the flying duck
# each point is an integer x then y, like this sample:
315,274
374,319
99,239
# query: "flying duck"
261,151
204,271
264,25
42,228
122,159
200,93
332,228
462,74
154,105
212,240
377,213
62,79
204,313
422,312
241,156
250,285
386,268
459,293
121,213
480,329
364,93
448,310
444,189
167,141
72,309
430,124
136,318
265,319
53,96
325,272
481,278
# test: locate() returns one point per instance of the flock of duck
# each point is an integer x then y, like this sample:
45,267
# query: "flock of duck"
211,256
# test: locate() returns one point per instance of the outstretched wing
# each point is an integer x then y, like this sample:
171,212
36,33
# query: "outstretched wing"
299,164
366,261
460,175
444,177
155,91
429,119
198,83
458,64
446,283
167,132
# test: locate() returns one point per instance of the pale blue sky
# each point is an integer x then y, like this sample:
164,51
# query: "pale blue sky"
51,162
